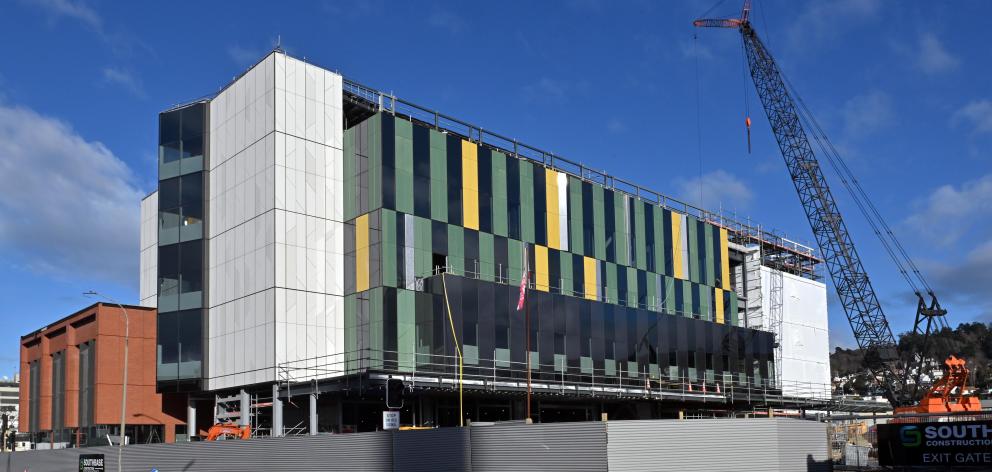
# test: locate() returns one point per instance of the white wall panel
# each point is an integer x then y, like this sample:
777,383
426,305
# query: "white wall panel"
148,251
276,205
805,339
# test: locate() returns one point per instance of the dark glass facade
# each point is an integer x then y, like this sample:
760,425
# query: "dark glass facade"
620,287
182,138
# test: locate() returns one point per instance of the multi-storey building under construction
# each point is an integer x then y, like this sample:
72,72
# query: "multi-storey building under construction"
312,237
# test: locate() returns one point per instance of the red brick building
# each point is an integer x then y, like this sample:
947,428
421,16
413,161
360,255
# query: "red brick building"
71,375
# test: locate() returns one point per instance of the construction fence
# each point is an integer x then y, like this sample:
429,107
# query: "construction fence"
770,444
854,440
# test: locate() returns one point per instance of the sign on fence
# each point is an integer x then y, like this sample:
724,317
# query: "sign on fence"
390,420
91,463
959,443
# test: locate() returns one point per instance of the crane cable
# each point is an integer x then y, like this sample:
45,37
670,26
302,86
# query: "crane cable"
883,231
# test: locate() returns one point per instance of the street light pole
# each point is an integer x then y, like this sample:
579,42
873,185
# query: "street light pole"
120,444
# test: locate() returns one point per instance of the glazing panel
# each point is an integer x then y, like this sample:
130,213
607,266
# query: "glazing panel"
527,202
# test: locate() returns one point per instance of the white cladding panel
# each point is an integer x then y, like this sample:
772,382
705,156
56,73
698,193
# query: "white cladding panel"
148,263
241,234
309,204
276,251
805,366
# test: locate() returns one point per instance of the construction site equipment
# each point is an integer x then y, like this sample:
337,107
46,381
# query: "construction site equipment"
899,376
228,430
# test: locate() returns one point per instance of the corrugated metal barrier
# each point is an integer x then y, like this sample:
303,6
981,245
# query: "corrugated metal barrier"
546,447
776,444
758,444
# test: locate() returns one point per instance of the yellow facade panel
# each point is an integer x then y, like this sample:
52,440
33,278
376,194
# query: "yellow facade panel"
362,253
677,262
724,260
470,184
718,303
590,284
551,204
541,274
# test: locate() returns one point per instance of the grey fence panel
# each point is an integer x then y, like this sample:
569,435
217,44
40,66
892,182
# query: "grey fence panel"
695,445
539,447
347,452
446,449
803,442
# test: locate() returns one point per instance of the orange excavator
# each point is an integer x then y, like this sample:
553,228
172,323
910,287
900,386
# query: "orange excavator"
898,373
228,430
948,394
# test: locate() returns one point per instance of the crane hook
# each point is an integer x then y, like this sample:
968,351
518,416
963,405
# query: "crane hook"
747,123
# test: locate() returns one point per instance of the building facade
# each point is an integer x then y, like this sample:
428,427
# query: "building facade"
313,235
72,373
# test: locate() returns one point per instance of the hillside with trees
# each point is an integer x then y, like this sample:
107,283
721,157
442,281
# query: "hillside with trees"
970,341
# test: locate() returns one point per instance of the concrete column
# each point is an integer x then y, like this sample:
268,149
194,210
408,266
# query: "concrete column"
191,429
276,412
245,408
313,414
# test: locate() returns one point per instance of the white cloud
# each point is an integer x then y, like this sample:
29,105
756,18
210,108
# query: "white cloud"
949,211
547,89
124,78
978,113
75,10
865,114
244,56
966,282
719,189
932,57
68,205
820,21
614,125
448,20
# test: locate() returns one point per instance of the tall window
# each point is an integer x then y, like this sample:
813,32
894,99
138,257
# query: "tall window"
87,363
58,393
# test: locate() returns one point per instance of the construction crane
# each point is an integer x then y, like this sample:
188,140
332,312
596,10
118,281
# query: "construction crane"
899,377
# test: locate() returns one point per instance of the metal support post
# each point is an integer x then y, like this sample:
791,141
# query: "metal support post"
313,414
191,429
244,408
276,412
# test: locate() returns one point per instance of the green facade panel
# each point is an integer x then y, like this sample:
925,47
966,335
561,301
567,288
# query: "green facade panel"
599,222
692,237
439,176
404,166
406,330
620,228
500,203
389,248
640,236
487,258
527,202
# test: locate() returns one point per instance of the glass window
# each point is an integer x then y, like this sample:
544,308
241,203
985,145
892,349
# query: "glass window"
192,120
168,193
191,189
192,147
191,266
190,340
168,127
168,346
169,152
168,270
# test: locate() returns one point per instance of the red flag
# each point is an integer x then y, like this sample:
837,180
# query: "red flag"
523,283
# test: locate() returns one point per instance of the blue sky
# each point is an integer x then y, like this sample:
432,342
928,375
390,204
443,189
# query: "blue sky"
901,87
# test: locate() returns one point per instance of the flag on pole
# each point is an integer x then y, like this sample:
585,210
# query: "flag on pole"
523,283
